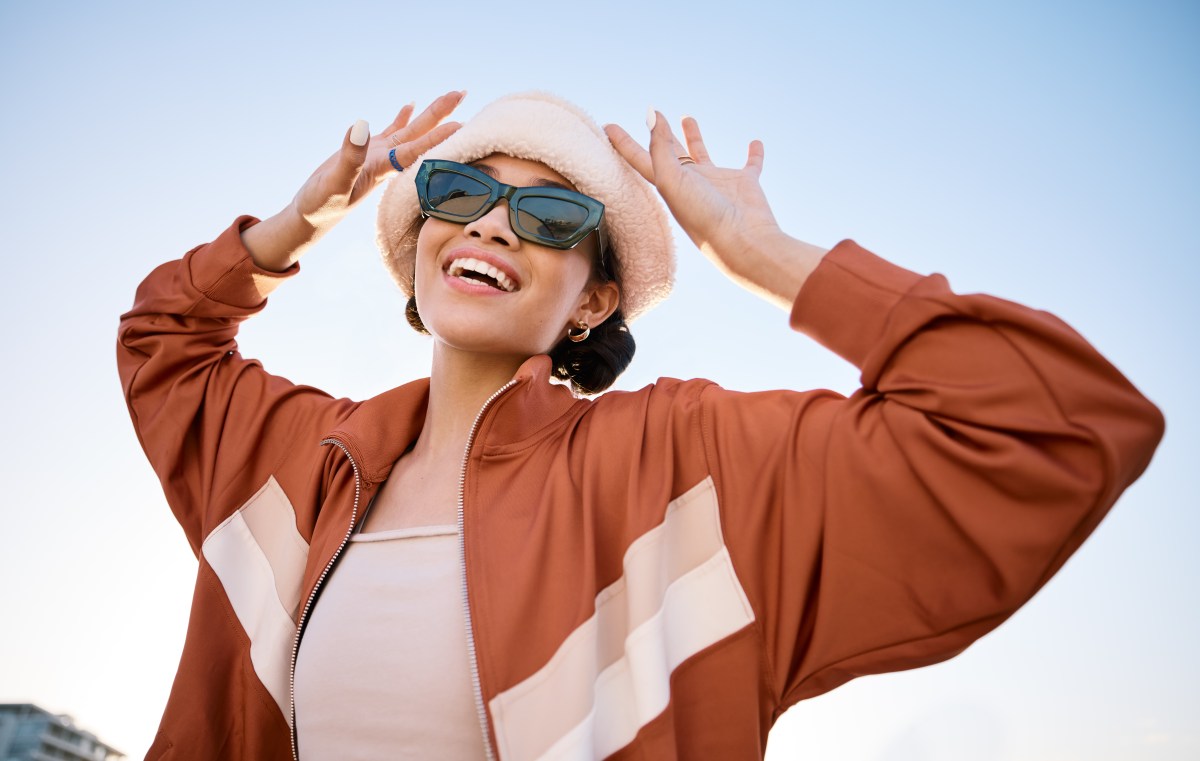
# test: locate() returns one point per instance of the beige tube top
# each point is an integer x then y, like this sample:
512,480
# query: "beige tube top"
382,671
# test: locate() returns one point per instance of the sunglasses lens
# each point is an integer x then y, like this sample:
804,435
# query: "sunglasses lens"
551,219
455,194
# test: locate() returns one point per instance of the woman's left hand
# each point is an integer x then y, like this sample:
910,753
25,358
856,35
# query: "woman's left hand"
723,210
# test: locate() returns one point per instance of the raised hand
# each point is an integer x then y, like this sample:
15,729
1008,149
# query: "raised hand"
723,210
350,174
346,178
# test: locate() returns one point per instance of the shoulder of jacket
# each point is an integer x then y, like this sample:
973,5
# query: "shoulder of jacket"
662,391
653,404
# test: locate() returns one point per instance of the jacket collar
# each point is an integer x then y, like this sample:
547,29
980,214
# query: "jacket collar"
528,407
383,427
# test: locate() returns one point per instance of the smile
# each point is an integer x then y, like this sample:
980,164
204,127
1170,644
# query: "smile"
480,272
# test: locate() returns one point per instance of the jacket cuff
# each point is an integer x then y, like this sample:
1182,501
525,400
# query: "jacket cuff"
846,301
224,272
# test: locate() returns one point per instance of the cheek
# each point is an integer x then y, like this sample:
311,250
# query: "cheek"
430,239
579,275
565,280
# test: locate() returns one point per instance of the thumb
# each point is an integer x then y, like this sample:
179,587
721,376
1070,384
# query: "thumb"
353,154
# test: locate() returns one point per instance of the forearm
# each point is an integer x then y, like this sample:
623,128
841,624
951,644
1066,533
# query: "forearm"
777,267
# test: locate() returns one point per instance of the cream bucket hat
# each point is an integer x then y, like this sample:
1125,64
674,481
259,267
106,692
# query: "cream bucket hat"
542,127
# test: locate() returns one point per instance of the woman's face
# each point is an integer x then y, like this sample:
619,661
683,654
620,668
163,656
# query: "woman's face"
543,291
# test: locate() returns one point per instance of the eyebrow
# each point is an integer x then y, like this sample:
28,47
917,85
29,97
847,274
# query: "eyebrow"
540,182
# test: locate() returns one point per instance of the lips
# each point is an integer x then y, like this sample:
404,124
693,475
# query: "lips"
480,268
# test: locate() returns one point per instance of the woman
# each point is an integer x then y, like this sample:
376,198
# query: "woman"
507,569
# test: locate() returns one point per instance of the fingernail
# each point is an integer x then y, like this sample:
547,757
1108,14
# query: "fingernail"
360,132
651,117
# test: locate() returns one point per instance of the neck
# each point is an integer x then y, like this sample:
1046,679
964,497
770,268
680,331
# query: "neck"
459,384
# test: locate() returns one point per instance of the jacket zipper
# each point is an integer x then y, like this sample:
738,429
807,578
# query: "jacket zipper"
321,580
462,562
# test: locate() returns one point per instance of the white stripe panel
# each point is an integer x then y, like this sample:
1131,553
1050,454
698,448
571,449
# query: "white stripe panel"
699,610
262,581
272,521
611,676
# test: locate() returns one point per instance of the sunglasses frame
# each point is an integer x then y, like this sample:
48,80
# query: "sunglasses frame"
513,195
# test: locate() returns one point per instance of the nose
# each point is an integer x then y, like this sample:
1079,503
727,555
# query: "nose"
493,227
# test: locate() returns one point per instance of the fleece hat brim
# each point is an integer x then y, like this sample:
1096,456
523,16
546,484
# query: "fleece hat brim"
541,127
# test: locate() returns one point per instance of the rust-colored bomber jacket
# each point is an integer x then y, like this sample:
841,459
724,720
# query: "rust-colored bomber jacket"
654,574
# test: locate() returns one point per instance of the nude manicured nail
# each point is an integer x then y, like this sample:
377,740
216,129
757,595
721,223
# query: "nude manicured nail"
360,132
651,117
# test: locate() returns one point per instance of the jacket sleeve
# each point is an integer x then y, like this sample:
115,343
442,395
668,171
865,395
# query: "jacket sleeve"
212,423
890,529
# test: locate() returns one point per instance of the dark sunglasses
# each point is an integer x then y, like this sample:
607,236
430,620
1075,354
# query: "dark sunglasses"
554,217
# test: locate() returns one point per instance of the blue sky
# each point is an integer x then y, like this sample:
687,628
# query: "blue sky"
1042,152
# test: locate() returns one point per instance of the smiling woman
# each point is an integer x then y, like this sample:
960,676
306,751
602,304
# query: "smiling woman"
489,564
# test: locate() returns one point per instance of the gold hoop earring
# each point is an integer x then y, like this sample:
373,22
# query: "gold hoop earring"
584,332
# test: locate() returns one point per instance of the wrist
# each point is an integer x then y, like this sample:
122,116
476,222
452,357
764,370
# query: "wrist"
278,241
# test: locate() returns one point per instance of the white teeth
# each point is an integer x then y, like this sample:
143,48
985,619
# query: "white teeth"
458,266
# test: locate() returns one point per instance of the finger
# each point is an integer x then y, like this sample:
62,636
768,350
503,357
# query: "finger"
637,156
695,142
400,122
665,151
409,152
754,157
676,146
439,109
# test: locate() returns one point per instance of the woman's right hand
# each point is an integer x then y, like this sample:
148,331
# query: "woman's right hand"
344,179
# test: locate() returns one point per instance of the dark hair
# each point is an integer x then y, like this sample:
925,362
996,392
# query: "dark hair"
591,365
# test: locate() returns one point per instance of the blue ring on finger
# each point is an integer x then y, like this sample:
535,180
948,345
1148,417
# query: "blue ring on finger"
392,158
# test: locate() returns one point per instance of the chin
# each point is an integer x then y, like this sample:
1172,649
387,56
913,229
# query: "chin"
483,337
